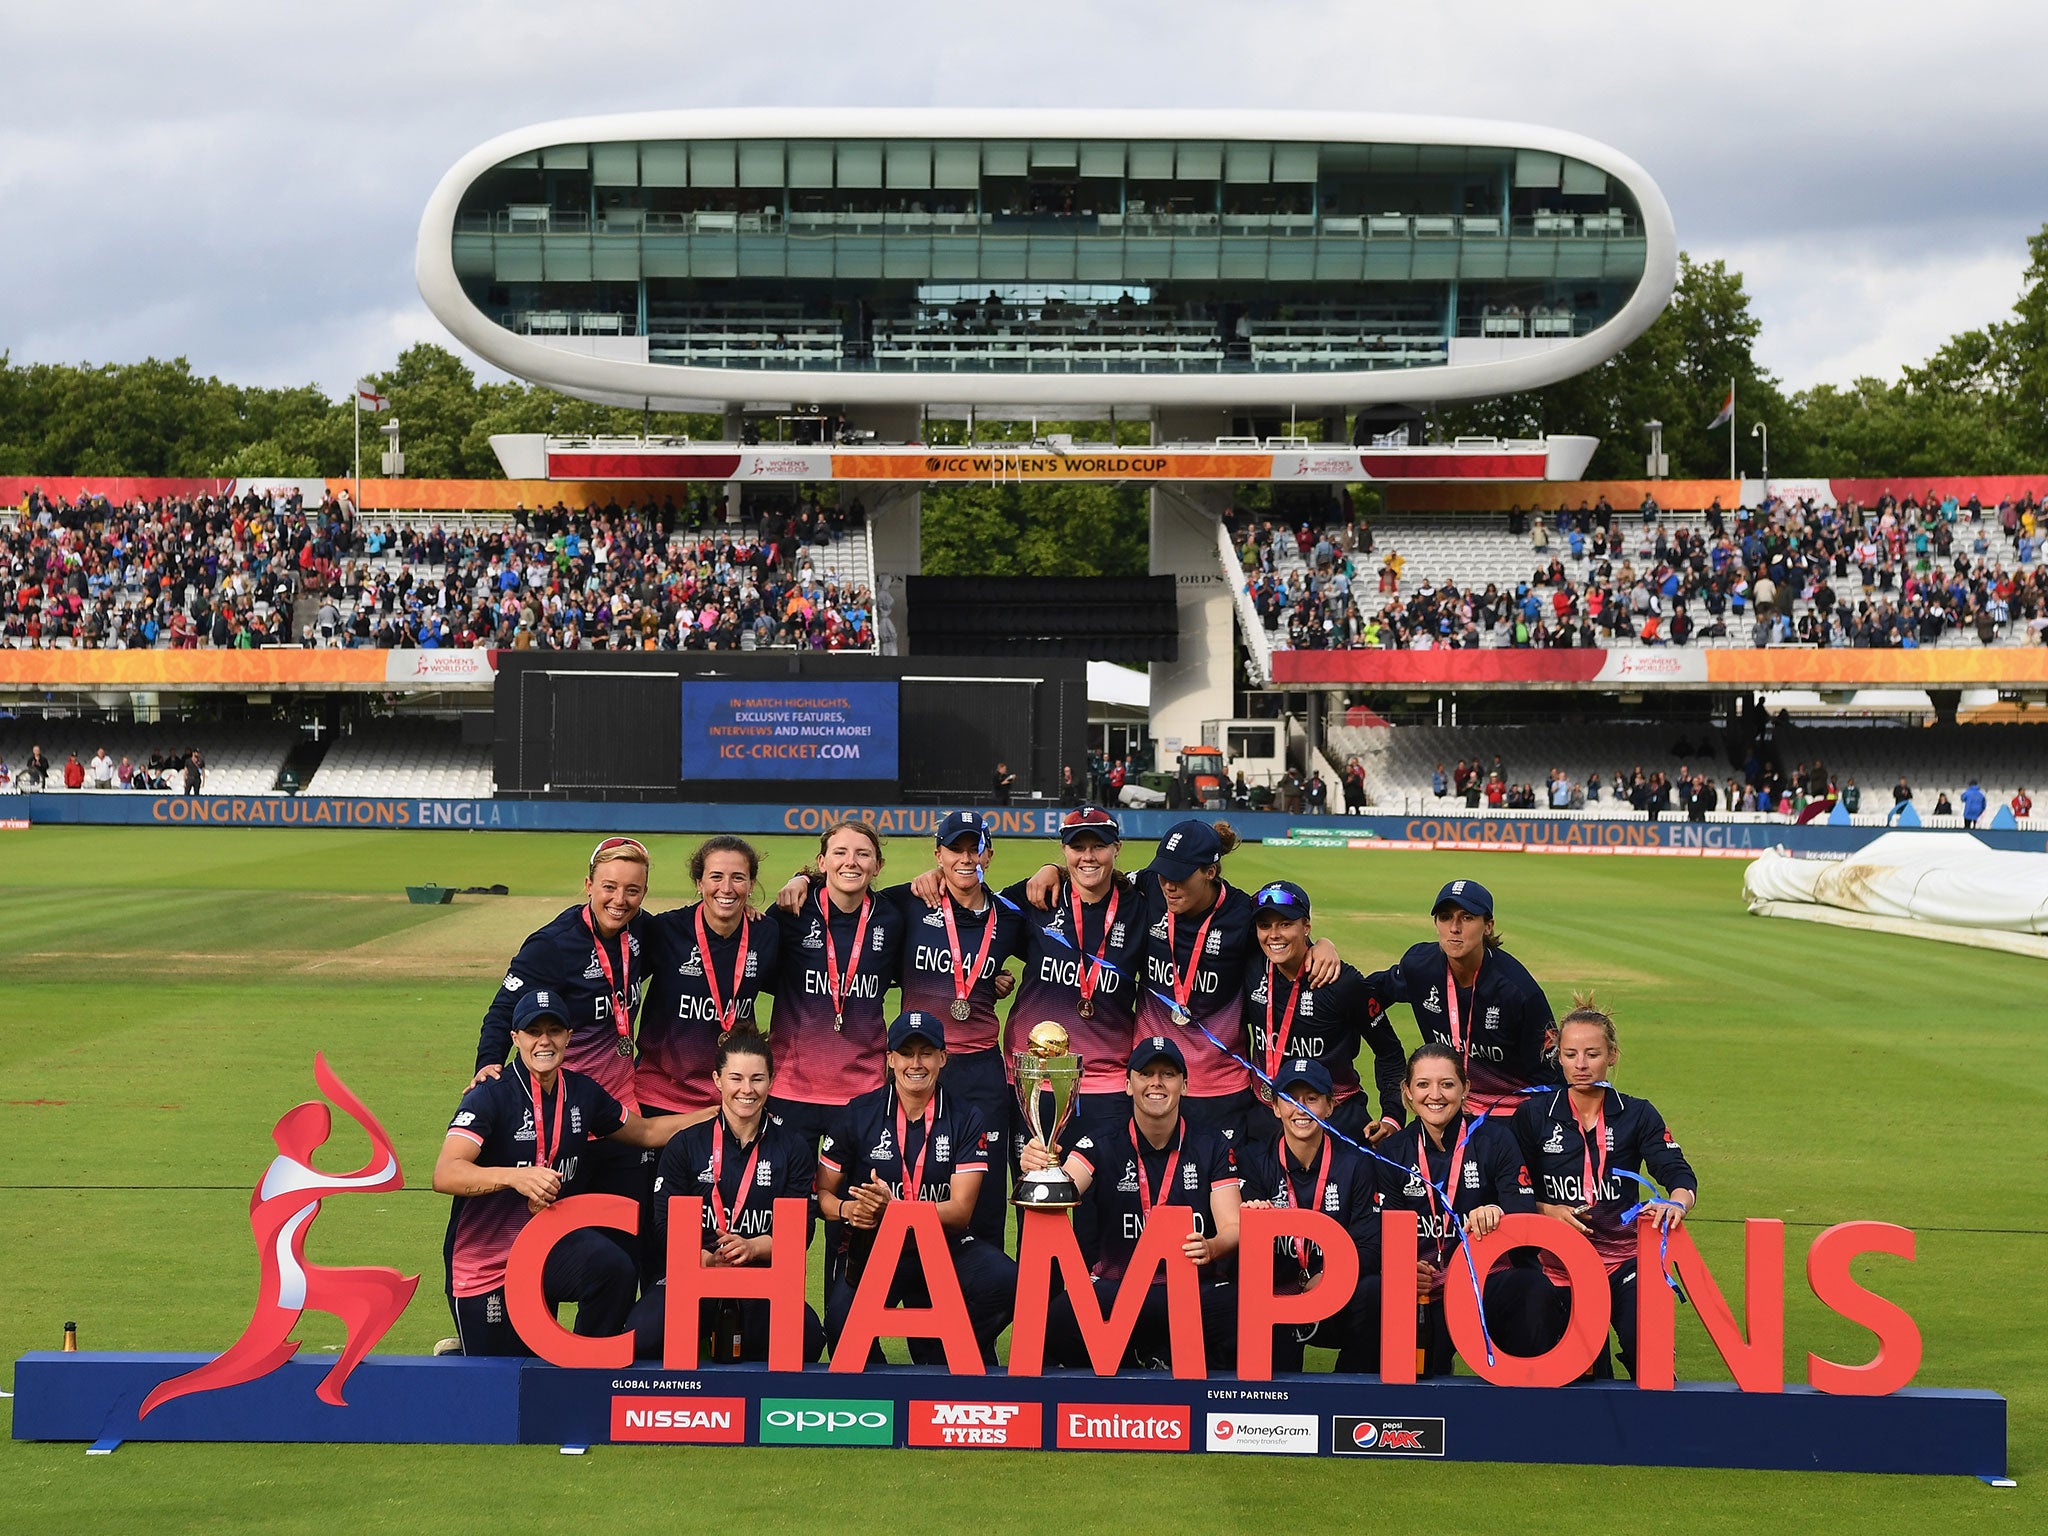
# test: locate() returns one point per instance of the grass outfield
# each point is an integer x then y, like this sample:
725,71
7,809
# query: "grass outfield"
169,986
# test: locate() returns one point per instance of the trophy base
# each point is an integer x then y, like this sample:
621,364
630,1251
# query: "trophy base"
1047,1190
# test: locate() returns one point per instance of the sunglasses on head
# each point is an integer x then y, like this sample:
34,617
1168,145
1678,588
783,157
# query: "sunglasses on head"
612,845
1275,896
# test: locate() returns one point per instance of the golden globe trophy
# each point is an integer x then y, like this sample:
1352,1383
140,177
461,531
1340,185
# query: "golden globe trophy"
1046,1069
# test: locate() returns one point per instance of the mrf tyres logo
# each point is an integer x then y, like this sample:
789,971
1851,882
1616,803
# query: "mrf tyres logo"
827,1421
1357,1436
1016,1426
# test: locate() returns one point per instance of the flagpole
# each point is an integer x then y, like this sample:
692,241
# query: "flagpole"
357,399
1731,429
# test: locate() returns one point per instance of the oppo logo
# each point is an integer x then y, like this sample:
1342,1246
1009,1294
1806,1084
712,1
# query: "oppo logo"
842,1421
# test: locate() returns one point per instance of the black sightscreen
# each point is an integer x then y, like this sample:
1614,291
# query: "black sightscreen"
1104,618
954,733
622,731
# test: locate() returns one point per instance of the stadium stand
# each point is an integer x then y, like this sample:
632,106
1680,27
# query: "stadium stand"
405,757
1941,575
1400,761
239,759
792,574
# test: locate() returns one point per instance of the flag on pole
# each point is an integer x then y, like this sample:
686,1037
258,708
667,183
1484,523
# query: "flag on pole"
367,398
1727,409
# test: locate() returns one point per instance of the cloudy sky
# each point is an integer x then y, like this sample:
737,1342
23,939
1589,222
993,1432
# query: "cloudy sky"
241,183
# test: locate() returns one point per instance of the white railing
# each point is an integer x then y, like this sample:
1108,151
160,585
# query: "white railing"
1257,647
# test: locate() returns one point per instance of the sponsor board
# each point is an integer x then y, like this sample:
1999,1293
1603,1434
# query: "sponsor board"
1123,1427
828,1421
680,1420
1352,1435
1014,1426
1263,1434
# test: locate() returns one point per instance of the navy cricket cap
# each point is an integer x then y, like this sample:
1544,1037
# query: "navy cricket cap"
1283,898
1187,847
1093,821
1157,1048
1469,894
542,1003
917,1026
1304,1072
959,824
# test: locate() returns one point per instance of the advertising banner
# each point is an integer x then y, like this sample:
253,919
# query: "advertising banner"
280,668
1670,667
789,731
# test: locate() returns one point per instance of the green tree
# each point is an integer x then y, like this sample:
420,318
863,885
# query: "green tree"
1677,372
1037,530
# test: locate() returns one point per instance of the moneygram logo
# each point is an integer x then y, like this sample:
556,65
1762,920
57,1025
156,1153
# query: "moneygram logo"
1018,1426
1270,1434
827,1421
1354,1436
680,1420
1122,1427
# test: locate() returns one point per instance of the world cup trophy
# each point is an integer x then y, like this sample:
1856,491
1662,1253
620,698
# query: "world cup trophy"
1046,1069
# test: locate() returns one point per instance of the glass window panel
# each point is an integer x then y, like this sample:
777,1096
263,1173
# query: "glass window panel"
1290,261
615,259
1294,162
1057,156
615,165
910,166
565,157
956,165
1393,157
1440,157
665,165
1151,162
711,164
1536,168
568,258
761,163
810,258
810,164
1051,260
762,256
1196,257
714,256
473,255
955,256
858,255
1099,261
518,259
1583,180
1246,259
1005,160
1248,162
530,161
860,165
1199,162
906,256
665,256
1003,258
1102,159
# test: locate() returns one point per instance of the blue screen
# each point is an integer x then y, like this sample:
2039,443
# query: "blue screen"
745,730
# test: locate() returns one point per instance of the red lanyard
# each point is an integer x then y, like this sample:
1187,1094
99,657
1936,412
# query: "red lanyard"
1457,1165
1595,1146
1180,1137
719,1005
965,975
621,1014
913,1173
739,1199
1460,1042
836,985
1276,1039
1184,985
1088,974
1315,1201
554,1148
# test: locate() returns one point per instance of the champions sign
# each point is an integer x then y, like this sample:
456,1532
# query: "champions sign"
581,1390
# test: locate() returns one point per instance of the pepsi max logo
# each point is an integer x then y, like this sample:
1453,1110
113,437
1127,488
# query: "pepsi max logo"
1356,1435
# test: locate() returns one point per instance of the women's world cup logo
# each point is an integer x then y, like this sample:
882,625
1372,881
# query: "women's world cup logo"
367,1300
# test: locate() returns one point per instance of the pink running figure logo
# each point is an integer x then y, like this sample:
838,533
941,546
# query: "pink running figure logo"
367,1300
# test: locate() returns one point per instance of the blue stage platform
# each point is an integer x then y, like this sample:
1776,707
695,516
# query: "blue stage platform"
398,1399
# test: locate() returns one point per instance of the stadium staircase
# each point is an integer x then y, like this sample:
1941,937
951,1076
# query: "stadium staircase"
422,757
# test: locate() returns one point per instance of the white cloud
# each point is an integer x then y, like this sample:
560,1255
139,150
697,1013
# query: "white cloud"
242,183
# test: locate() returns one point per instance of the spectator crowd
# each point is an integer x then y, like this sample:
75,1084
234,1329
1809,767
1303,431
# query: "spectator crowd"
1899,574
234,573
